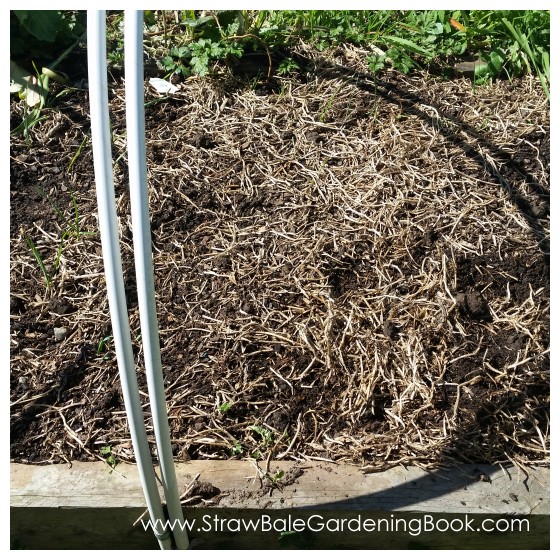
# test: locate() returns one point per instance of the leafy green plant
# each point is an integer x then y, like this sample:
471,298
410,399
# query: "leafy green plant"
224,407
33,91
203,52
511,42
213,38
323,28
277,476
505,43
235,450
107,453
40,39
407,40
43,34
177,61
116,57
102,346
198,57
115,38
267,437
287,66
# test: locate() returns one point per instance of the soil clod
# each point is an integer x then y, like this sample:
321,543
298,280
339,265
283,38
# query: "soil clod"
474,306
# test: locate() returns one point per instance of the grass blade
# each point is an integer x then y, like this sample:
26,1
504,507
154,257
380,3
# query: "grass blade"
38,258
408,45
523,42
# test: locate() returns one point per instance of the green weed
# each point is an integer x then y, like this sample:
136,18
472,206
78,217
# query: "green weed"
277,476
212,38
107,454
267,437
102,346
531,54
224,407
287,66
513,42
85,140
188,42
235,450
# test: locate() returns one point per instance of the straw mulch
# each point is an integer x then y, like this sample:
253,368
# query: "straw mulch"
347,268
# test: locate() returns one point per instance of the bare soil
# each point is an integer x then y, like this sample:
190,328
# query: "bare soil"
348,268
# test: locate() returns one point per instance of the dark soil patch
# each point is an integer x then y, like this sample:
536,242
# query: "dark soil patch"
346,268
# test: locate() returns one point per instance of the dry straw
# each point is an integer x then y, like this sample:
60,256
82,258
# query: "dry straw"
356,267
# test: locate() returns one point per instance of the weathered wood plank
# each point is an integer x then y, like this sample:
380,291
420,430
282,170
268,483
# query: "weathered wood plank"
465,489
100,504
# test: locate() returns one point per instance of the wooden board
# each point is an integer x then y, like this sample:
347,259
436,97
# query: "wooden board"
90,505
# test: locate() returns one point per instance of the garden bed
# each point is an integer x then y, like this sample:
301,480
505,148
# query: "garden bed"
347,268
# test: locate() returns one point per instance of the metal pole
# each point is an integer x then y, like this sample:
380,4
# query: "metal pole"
99,110
134,86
